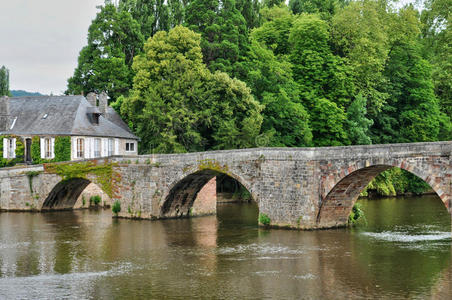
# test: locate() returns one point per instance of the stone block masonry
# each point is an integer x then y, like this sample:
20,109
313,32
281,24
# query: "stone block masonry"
305,188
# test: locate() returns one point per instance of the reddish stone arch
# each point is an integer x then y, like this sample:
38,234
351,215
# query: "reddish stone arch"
341,189
182,193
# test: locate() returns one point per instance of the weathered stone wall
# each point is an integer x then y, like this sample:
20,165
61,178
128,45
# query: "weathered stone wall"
206,200
30,188
92,190
296,187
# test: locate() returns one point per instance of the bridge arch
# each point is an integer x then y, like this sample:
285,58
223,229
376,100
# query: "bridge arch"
182,193
65,193
340,192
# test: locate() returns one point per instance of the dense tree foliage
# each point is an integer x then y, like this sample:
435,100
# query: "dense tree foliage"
4,81
178,105
114,38
219,74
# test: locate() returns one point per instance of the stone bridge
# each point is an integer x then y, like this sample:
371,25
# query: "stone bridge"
305,188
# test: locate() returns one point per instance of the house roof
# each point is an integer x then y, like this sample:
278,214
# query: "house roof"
62,115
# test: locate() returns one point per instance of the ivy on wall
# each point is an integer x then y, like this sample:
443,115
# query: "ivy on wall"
36,151
20,151
62,150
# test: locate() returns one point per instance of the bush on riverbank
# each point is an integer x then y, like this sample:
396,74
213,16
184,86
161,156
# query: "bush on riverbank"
95,200
357,215
396,182
116,208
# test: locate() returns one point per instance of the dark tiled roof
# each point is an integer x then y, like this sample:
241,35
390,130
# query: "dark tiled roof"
62,115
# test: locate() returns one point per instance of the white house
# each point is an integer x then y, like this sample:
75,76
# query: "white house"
94,130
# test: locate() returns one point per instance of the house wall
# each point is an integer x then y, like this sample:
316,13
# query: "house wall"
119,147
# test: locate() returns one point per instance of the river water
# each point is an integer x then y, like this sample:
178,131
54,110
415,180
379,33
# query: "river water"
403,252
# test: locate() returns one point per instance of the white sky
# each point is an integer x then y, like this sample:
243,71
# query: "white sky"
41,40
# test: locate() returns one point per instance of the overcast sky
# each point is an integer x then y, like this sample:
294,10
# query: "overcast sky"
41,40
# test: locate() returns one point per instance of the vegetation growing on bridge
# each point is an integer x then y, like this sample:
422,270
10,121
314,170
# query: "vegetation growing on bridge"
211,164
103,174
116,208
264,219
30,176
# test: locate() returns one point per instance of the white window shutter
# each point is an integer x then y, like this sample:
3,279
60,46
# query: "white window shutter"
52,148
43,150
103,147
74,148
14,148
116,149
89,148
5,148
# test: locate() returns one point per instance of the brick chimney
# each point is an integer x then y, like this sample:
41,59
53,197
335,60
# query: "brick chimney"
92,99
103,103
4,114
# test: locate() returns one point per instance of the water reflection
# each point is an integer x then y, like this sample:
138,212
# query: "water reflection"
403,252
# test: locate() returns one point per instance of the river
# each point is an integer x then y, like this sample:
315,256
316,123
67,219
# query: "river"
404,251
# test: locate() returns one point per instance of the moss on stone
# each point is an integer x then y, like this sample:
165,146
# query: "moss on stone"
211,164
104,174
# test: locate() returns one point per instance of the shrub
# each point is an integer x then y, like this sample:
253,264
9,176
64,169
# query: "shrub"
95,200
116,208
356,215
264,219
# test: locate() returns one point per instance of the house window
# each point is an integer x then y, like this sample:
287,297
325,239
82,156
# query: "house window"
11,148
80,148
111,145
96,119
97,147
48,148
130,147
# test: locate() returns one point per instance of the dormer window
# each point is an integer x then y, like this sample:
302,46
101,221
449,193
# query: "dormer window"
96,119
93,114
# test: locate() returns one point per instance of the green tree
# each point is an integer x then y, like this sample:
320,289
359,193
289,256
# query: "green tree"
271,3
153,15
317,70
275,30
359,33
357,123
270,79
412,112
437,34
326,8
178,105
250,10
323,79
328,123
224,33
4,81
105,63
